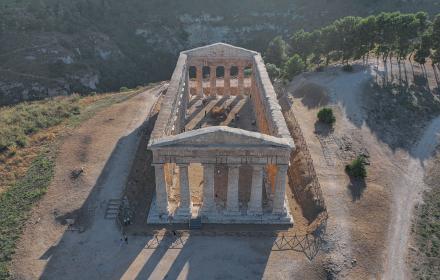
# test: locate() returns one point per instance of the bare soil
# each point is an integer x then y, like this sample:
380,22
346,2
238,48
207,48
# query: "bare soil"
89,147
369,220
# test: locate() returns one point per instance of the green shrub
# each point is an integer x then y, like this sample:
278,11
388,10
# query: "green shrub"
273,71
123,89
276,52
356,168
325,115
294,66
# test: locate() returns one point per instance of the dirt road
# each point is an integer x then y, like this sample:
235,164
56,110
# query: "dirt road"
369,222
104,147
408,192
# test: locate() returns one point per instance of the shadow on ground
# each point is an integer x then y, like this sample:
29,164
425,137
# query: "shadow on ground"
97,251
396,112
357,187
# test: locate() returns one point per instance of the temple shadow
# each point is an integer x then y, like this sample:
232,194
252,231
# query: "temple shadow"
211,255
49,252
202,107
193,101
94,246
155,258
399,115
199,108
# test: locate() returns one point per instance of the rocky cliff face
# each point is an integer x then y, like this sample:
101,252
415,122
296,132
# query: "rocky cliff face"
59,47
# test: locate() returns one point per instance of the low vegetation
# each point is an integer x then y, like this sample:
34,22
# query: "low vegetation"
16,202
293,66
325,115
21,121
356,169
426,229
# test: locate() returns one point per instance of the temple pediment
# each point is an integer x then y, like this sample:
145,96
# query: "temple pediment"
220,50
220,136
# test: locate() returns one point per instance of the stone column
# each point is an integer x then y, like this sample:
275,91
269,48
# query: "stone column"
161,189
227,81
185,195
280,190
232,195
199,77
213,80
240,79
208,188
255,203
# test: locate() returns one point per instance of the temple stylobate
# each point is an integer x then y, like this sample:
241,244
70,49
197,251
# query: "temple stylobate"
221,147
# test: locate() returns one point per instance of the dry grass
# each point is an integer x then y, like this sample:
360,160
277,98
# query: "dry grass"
39,123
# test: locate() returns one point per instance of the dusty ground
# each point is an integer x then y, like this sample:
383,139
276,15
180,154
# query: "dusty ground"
424,252
369,222
48,251
111,134
367,230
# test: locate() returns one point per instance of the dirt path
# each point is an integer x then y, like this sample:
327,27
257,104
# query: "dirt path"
409,188
104,147
369,222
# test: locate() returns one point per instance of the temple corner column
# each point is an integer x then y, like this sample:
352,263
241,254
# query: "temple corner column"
161,190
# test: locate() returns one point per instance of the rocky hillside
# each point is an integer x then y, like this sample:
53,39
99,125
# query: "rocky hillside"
56,47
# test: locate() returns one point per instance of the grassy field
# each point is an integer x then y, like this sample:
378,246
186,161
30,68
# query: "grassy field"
30,134
21,121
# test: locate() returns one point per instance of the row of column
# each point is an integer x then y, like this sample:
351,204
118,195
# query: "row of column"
213,80
255,206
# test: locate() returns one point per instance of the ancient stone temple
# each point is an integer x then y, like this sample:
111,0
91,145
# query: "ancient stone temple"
220,145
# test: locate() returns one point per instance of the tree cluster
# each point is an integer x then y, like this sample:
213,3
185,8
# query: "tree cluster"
387,35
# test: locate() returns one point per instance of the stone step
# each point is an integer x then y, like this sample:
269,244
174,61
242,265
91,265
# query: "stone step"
195,223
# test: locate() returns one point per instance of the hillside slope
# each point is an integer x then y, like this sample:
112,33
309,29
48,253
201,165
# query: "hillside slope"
57,47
